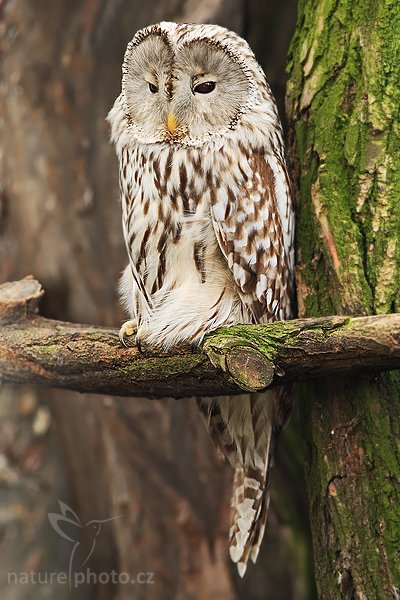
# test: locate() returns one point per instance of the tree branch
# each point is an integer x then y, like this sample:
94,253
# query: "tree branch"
247,357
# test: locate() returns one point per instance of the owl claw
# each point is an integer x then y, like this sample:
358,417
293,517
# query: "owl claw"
139,345
127,334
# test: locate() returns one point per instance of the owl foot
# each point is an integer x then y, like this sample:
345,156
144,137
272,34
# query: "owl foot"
127,334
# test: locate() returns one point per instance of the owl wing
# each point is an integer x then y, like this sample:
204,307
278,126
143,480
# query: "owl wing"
253,222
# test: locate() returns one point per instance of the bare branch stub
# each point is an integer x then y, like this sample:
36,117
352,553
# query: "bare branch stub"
19,300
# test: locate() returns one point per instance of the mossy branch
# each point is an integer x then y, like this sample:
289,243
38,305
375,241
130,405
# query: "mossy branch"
85,358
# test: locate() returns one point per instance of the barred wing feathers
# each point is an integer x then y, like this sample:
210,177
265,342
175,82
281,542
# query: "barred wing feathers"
253,222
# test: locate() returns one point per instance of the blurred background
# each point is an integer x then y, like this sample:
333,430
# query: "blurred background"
148,462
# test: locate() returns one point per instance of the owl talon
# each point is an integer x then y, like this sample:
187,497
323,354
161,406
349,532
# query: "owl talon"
139,345
127,334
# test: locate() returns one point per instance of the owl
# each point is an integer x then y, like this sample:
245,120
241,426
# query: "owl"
208,225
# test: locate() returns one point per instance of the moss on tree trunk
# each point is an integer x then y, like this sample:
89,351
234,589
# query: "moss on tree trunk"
343,100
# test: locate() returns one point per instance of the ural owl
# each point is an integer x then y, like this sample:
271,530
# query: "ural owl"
208,224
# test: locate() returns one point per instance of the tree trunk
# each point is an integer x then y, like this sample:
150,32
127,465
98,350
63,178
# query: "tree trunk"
149,462
344,97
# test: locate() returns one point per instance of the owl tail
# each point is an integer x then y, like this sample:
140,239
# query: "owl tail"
250,502
245,430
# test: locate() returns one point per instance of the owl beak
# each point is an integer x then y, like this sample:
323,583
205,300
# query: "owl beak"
172,123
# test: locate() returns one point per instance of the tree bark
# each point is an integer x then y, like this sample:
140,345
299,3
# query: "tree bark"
152,463
231,360
343,98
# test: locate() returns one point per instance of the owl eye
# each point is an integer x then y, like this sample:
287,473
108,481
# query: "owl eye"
204,88
153,88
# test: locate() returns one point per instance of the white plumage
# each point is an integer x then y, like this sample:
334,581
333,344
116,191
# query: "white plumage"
208,224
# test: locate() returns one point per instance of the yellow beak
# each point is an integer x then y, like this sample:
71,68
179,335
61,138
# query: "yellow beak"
172,123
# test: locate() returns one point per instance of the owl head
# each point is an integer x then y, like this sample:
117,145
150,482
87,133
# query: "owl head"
186,83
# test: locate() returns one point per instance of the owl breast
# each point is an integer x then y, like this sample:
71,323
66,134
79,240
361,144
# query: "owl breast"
180,284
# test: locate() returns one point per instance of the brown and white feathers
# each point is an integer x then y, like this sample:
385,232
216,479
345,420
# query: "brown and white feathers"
208,224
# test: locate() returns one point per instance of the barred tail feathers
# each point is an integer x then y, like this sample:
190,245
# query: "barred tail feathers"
243,430
250,502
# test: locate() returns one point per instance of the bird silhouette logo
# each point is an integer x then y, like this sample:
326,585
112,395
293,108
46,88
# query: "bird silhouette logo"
69,526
